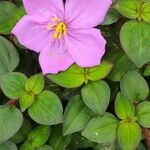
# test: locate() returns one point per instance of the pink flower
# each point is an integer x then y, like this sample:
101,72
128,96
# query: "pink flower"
63,34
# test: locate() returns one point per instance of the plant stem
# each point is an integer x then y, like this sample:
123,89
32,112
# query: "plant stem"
146,133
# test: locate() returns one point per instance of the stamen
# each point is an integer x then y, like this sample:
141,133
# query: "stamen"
60,28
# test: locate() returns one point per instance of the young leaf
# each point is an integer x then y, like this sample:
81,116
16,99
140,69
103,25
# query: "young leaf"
96,95
76,116
101,130
137,51
143,114
128,8
129,135
39,135
26,100
11,120
71,78
57,140
123,107
100,71
35,84
46,109
9,58
146,12
26,146
134,87
12,84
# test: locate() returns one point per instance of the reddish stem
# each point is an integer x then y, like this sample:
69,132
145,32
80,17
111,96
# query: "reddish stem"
11,102
147,137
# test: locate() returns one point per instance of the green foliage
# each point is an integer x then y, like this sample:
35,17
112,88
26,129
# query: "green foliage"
129,135
9,58
12,84
76,116
124,108
9,16
35,84
76,76
46,109
57,140
101,130
134,86
10,122
143,114
96,96
138,51
104,107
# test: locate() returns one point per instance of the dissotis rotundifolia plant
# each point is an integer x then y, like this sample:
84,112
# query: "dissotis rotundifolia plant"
63,33
88,88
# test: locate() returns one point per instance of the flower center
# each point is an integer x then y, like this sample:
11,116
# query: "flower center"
59,27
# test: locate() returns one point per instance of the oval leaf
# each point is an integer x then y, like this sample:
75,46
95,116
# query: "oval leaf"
137,51
9,58
129,135
76,116
11,120
134,87
13,84
101,130
46,109
96,95
143,114
124,108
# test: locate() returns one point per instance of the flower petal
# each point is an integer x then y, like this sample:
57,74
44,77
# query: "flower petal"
32,32
86,13
55,58
34,6
86,46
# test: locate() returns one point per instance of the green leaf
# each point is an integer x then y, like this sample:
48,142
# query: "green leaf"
26,146
6,18
35,84
137,51
122,64
147,70
96,95
13,84
81,142
100,71
46,109
57,140
10,122
23,132
9,16
134,87
146,12
76,116
9,58
71,78
129,135
111,17
128,8
39,135
143,114
124,108
26,100
101,130
44,147
8,146
75,76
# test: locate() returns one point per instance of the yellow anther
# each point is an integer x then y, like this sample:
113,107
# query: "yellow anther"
59,27
60,30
